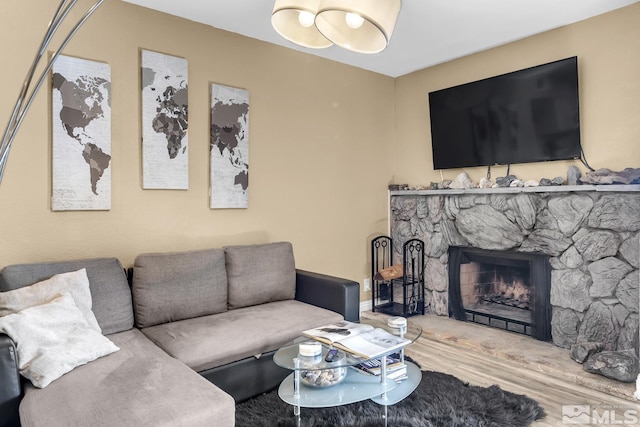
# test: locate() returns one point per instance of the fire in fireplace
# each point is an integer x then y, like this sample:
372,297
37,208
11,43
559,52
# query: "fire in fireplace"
496,295
507,290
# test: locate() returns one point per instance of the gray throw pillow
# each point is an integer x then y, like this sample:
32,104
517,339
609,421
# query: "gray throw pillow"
110,292
178,285
259,274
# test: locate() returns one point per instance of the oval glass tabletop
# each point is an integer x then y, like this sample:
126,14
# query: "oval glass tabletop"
355,388
286,356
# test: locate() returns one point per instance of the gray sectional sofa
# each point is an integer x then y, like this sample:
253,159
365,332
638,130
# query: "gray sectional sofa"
196,331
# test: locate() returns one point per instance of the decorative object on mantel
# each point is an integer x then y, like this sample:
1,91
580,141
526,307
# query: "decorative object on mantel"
546,182
607,176
25,98
512,181
398,187
485,183
504,181
573,175
461,182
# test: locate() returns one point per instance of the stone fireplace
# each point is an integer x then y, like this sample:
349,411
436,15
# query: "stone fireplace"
589,236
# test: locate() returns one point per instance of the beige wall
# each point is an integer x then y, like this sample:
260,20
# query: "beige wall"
317,131
608,50
323,142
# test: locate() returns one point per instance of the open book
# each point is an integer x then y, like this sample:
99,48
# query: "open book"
361,340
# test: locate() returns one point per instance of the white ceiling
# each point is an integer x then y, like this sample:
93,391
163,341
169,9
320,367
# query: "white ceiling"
428,32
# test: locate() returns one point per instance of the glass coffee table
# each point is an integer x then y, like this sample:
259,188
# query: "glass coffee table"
356,386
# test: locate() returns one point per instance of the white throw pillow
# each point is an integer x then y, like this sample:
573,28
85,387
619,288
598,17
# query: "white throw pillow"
52,339
75,282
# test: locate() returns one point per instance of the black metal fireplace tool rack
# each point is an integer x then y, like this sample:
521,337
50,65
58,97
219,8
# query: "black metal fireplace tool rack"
402,296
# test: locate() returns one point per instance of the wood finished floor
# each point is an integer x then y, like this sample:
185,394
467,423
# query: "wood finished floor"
520,365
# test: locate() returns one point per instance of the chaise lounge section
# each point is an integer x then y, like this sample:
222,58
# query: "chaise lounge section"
196,331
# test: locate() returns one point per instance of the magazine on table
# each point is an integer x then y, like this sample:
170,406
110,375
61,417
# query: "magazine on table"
374,366
396,375
361,340
397,372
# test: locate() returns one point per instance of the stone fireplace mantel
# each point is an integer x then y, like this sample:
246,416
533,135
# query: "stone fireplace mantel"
511,190
591,234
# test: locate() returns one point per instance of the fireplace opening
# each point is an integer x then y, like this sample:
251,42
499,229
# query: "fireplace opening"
506,290
497,295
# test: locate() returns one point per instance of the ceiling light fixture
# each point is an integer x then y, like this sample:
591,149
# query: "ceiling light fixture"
363,26
294,19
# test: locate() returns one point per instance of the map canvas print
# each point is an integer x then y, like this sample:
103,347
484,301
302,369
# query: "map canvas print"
229,147
81,114
165,155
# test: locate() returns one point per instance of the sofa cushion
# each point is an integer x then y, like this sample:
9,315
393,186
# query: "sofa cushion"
140,385
52,339
75,283
178,285
260,273
210,341
110,293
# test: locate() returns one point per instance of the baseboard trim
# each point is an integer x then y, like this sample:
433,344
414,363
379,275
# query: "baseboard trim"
365,306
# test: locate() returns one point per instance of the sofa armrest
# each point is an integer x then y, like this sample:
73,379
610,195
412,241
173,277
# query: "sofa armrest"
10,386
332,293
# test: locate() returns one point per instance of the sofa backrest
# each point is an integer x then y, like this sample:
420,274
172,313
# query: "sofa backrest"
178,285
110,293
258,274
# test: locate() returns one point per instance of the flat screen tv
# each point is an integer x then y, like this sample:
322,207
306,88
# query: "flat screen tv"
530,115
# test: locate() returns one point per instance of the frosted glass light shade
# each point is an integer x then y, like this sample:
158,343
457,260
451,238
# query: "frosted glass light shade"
372,36
287,22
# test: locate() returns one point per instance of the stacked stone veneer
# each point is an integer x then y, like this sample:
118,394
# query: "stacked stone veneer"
592,239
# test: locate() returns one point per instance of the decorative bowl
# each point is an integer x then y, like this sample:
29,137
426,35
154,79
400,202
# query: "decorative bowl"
322,374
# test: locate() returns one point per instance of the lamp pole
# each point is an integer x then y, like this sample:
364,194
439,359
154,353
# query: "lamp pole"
28,92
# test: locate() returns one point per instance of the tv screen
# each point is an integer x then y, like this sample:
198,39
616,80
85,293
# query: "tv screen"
530,115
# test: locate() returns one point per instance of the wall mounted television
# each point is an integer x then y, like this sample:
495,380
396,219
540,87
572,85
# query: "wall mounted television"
530,115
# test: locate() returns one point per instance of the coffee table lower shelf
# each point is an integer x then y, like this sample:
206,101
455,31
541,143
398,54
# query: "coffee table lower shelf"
356,387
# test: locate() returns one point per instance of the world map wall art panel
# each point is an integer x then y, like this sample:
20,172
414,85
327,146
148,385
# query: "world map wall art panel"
165,155
81,108
229,147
